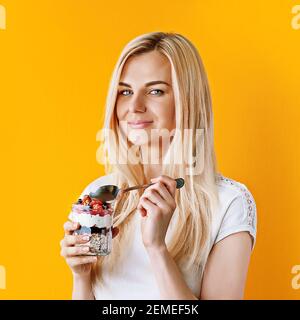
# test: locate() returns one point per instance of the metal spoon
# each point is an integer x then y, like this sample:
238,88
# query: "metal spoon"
110,192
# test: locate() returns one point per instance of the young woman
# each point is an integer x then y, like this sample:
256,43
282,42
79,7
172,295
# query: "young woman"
188,243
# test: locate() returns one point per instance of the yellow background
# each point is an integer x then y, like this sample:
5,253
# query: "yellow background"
56,59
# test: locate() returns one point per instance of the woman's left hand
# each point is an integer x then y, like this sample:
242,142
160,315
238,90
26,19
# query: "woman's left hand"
157,206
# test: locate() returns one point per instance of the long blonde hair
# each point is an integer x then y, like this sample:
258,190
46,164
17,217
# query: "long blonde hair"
197,200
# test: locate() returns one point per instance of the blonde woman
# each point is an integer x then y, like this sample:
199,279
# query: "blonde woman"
188,243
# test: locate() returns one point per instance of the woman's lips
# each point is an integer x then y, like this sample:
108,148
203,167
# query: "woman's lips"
140,124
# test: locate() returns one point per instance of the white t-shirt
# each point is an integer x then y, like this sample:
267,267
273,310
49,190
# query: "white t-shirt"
134,278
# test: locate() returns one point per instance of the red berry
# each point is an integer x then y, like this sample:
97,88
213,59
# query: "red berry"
95,204
101,213
105,212
97,210
94,212
86,200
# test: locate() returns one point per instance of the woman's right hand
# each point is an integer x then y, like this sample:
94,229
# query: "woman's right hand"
80,265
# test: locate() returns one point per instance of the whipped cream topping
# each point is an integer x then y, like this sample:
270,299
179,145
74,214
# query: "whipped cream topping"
88,220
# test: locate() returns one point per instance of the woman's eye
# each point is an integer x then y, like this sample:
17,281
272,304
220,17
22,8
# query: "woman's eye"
157,90
121,92
127,92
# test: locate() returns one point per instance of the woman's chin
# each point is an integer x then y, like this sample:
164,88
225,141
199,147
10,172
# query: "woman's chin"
138,137
137,142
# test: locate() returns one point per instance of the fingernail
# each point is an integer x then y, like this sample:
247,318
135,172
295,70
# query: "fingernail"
85,238
74,224
86,249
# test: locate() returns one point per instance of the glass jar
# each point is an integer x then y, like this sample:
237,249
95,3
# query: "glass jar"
96,220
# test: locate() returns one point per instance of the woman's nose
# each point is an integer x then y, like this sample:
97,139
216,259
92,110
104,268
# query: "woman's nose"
137,104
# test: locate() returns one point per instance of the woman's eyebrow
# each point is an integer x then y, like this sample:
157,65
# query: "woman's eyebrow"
151,83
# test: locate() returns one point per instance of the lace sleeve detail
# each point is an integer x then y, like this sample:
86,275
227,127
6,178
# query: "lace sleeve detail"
241,213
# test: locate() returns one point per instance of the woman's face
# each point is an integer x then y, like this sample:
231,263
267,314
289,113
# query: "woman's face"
145,94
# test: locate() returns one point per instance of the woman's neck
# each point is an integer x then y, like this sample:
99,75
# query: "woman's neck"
152,162
152,171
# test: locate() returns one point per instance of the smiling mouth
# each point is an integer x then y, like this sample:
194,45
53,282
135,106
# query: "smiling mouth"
139,122
140,125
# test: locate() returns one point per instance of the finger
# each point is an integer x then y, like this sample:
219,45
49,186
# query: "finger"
140,206
163,192
148,205
76,261
69,227
71,240
154,196
74,251
169,182
169,198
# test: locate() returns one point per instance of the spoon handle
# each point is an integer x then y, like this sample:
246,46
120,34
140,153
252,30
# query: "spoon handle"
179,184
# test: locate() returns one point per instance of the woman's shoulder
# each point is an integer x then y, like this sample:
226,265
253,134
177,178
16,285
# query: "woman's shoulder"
229,189
237,207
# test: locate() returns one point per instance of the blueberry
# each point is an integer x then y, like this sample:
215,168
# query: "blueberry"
83,230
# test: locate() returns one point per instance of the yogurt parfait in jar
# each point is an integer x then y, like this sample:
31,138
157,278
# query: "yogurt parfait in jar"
96,220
